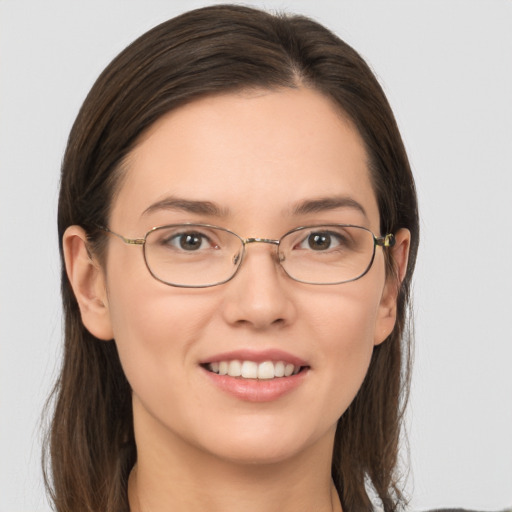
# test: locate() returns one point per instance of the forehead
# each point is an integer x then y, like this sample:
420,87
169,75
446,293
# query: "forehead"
254,154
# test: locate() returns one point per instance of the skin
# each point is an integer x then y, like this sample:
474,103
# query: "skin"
256,155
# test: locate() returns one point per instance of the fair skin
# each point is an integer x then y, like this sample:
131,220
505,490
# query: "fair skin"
256,156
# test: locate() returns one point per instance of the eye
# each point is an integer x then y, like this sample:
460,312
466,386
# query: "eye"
321,241
191,241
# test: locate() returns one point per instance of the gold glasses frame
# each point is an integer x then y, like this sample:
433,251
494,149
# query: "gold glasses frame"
385,241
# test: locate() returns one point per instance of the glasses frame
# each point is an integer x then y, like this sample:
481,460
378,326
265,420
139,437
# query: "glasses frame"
385,241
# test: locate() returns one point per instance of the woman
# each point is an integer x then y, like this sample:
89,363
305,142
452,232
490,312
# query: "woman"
252,354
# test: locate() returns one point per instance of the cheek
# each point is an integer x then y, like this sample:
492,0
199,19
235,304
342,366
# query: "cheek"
154,326
345,318
344,324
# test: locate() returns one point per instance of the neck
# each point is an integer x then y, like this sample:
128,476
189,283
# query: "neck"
230,496
179,477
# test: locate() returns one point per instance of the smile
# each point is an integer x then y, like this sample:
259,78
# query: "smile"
265,370
256,375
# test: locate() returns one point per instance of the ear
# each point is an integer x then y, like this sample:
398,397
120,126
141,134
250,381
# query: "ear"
387,308
88,282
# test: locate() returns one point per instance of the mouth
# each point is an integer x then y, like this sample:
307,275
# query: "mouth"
247,369
256,375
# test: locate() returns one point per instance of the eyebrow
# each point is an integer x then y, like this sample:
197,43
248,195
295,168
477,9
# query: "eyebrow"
187,205
209,208
327,203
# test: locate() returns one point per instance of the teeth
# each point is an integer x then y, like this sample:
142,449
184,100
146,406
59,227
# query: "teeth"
279,369
266,370
223,368
252,370
249,370
234,368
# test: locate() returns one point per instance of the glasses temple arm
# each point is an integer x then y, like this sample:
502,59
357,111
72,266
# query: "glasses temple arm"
131,241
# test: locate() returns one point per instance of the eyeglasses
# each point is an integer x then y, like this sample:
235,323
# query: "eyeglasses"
201,255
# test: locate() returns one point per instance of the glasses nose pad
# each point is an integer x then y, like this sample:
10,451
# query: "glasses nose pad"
237,257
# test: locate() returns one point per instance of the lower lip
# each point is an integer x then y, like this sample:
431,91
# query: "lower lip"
255,390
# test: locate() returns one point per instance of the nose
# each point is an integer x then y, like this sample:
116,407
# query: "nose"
260,295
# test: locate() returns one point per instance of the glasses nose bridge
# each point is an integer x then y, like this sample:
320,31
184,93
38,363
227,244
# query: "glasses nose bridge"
270,241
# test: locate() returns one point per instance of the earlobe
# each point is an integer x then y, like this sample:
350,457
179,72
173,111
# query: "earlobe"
388,304
88,282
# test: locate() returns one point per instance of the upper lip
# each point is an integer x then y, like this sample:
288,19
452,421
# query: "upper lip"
258,356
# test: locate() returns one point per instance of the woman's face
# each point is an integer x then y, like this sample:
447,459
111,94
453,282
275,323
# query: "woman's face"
259,164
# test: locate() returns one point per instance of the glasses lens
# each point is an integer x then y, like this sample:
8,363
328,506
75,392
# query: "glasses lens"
327,254
192,255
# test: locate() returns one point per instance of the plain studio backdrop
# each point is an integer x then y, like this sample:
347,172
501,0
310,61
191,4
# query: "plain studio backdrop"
446,68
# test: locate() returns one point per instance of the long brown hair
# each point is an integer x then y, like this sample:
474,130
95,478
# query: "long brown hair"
222,48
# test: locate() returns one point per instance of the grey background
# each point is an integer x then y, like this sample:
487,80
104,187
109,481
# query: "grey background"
446,67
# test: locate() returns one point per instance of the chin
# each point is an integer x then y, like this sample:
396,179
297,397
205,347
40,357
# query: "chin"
266,445
258,455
